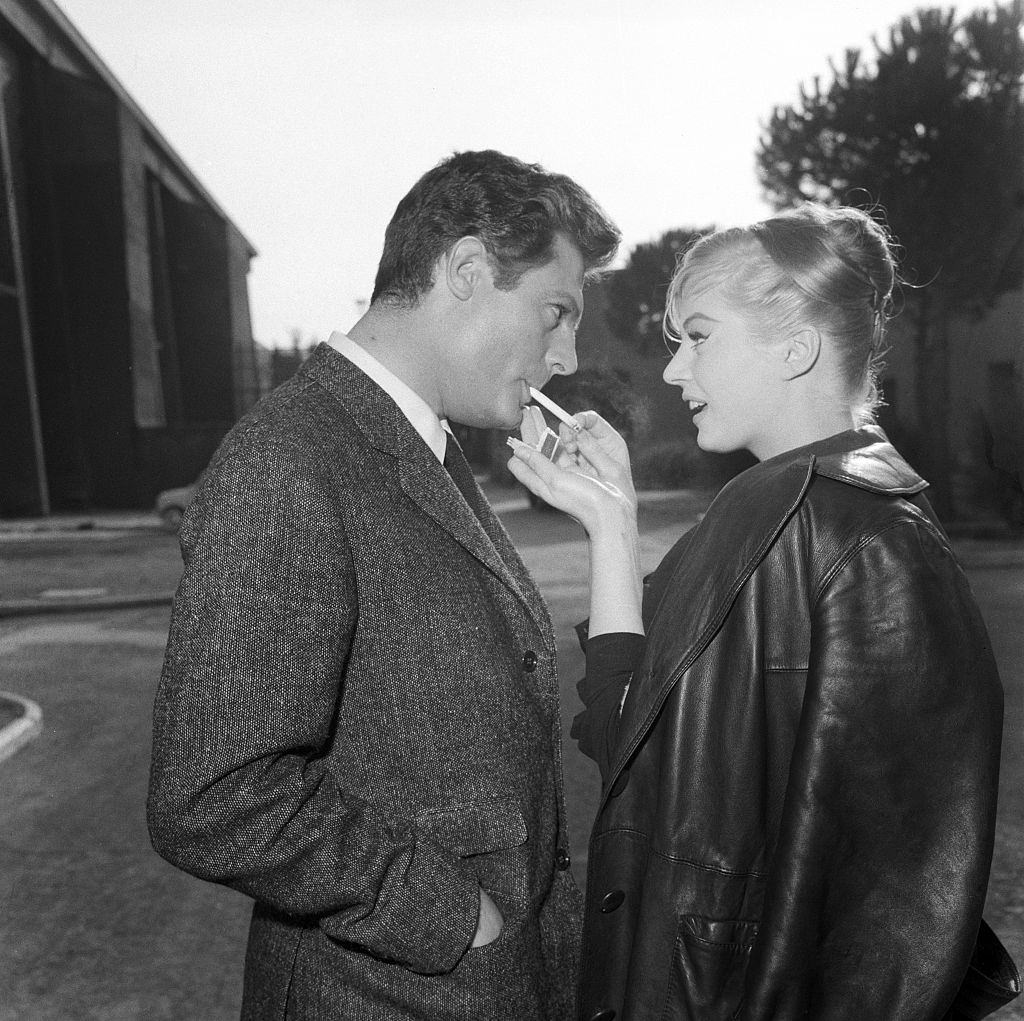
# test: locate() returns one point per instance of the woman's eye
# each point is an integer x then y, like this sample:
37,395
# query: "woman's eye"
696,339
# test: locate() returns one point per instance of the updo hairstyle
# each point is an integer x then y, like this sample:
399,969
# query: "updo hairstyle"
833,269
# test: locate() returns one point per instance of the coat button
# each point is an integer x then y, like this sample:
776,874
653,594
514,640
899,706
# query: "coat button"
612,901
529,661
620,784
562,859
603,1015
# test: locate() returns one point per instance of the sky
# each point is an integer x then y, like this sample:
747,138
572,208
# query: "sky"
308,120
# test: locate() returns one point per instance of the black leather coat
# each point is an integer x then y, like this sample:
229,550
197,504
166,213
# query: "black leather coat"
798,806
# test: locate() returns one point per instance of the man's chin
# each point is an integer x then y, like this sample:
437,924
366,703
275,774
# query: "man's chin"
510,420
493,420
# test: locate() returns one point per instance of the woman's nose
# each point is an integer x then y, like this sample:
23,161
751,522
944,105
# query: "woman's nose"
677,371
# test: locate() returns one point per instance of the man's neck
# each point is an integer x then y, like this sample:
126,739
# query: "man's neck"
402,341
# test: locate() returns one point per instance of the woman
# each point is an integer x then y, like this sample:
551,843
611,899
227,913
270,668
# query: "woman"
800,759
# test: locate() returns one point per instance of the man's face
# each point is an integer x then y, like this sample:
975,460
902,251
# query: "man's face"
515,339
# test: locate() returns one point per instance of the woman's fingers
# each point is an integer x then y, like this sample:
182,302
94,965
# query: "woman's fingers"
533,425
595,425
596,452
527,466
538,469
583,494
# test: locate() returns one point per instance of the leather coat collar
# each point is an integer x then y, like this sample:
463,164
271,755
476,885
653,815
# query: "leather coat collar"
860,457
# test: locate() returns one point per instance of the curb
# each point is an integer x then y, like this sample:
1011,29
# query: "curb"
34,607
53,527
28,726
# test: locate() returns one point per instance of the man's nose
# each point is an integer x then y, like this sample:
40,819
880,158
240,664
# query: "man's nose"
561,356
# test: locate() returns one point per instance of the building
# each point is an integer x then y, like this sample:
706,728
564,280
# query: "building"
978,376
126,347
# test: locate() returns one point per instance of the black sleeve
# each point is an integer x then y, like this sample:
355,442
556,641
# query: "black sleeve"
611,660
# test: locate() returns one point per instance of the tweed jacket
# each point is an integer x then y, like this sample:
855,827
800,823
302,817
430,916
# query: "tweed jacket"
357,722
798,807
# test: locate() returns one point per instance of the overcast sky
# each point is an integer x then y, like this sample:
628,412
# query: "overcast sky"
309,119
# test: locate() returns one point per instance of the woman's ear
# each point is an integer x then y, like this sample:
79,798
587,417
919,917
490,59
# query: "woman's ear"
800,352
465,267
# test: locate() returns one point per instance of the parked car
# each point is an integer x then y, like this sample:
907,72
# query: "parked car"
171,504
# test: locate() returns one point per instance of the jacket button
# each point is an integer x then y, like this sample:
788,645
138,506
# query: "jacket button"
562,859
612,901
529,661
603,1015
620,784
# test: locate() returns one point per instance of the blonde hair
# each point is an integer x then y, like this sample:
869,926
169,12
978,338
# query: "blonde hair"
830,268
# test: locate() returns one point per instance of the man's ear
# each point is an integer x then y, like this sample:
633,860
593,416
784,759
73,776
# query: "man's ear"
799,352
465,267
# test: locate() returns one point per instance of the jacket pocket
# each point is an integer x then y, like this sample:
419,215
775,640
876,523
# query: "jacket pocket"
475,828
708,967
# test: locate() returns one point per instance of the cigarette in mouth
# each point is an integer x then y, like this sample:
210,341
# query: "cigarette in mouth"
559,413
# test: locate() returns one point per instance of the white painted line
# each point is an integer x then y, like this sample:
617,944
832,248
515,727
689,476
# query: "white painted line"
23,729
72,593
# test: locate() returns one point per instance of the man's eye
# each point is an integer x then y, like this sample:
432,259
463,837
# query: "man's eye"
558,315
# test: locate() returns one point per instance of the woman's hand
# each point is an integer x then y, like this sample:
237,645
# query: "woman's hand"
590,478
615,468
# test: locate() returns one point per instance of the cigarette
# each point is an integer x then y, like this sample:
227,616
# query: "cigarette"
555,410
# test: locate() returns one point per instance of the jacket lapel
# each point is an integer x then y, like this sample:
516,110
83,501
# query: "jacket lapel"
740,526
422,478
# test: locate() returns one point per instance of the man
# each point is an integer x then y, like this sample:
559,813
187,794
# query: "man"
357,721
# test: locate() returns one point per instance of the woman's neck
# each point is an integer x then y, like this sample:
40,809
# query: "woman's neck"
806,423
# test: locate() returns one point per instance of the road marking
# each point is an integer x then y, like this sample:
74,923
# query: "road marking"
23,729
72,593
80,634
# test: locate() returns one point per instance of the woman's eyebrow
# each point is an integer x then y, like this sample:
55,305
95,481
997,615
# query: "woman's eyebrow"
697,317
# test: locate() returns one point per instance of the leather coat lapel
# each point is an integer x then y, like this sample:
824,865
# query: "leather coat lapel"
722,552
422,477
712,583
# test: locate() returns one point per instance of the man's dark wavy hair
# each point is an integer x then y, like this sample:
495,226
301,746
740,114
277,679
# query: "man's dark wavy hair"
514,208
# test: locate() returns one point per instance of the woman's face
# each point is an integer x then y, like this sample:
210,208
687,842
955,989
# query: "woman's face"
728,376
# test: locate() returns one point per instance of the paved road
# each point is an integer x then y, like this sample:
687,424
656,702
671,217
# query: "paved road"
93,925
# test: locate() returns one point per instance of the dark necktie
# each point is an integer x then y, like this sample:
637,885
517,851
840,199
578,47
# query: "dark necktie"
462,475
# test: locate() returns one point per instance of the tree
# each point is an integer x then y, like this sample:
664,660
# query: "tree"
636,293
932,130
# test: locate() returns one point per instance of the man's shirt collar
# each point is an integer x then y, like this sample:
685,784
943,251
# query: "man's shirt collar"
420,414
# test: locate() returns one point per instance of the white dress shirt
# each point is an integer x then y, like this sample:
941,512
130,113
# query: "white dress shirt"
421,415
